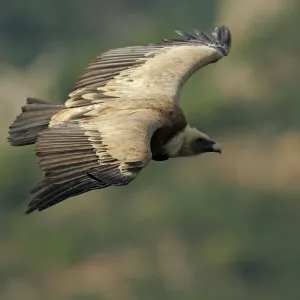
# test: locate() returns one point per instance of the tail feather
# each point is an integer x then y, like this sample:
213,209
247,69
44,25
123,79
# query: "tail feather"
35,117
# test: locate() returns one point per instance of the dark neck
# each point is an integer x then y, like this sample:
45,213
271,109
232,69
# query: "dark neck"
159,139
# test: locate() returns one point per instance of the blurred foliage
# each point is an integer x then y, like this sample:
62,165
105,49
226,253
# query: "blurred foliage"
29,27
180,231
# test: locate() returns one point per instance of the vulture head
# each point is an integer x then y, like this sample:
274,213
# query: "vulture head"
201,143
191,142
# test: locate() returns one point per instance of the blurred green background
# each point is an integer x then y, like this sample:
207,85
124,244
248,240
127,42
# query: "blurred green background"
211,227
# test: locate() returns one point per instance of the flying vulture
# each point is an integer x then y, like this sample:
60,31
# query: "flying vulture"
122,113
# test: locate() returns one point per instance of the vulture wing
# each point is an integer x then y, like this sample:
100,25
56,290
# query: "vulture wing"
91,154
155,71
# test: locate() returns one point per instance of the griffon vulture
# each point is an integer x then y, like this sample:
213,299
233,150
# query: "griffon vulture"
123,111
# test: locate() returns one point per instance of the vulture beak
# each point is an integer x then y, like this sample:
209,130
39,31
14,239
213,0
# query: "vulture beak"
216,147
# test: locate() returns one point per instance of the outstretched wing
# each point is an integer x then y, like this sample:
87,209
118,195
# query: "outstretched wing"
92,154
155,71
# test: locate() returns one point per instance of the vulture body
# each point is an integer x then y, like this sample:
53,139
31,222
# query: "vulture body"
123,111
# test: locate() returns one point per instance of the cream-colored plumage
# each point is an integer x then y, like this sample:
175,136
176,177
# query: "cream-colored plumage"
123,112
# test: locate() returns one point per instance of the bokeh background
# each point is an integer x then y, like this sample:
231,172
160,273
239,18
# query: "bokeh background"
212,227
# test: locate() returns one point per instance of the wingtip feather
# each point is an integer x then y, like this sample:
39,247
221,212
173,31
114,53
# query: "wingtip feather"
221,38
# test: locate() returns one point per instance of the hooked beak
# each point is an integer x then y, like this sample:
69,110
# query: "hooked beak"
216,147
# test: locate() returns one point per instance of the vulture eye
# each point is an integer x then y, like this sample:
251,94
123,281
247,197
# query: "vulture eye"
200,140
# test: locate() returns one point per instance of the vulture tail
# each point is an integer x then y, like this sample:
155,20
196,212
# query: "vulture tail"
35,117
